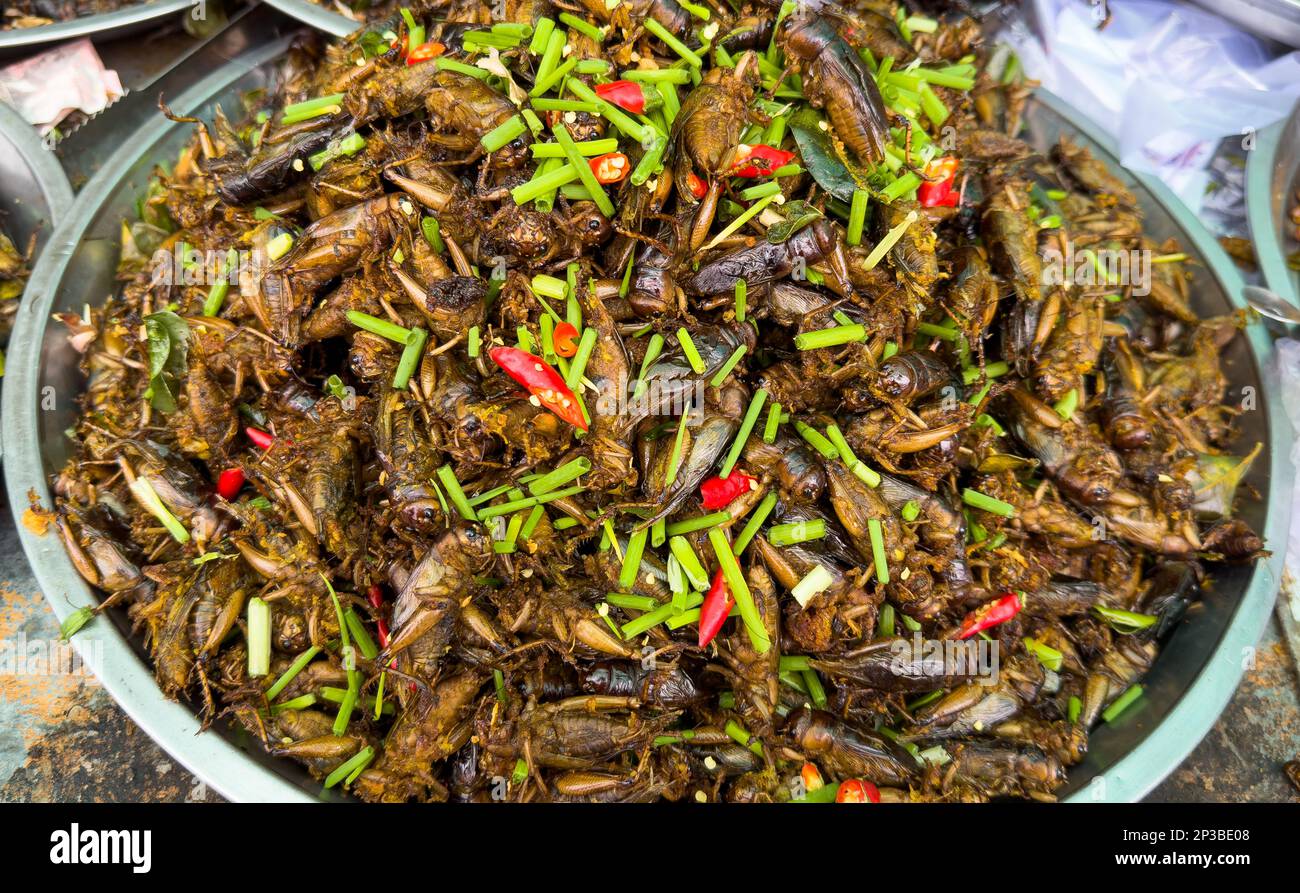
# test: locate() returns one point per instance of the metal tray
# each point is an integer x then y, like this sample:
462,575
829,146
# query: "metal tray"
1277,20
119,23
1186,689
1272,176
34,191
319,17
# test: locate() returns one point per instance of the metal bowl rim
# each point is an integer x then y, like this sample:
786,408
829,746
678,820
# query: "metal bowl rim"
1265,225
104,21
317,16
237,776
43,164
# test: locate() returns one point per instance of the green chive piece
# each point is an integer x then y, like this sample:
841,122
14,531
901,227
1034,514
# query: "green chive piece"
365,644
943,332
857,217
585,173
632,558
1048,656
692,354
725,370
582,26
739,589
815,689
515,505
976,499
754,523
611,113
690,562
411,354
701,522
560,476
588,148
503,134
796,532
474,341
1074,709
629,601
672,42
832,337
911,510
1066,406
891,238
991,370
1122,703
742,436
1125,621
381,327
886,624
675,457
457,495
279,246
151,502
542,183
741,219
541,35
443,63
652,351
742,289
259,637
352,767
816,440
299,663
773,422
877,534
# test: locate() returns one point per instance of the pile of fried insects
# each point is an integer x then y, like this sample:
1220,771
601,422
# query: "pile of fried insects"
659,400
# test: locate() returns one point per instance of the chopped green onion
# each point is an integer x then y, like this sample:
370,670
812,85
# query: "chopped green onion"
541,35
578,365
911,510
689,349
457,495
891,238
73,623
583,27
739,589
503,134
741,219
816,581
754,523
632,557
689,561
560,476
381,327
672,42
832,337
612,113
796,532
1074,708
857,216
411,354
542,183
877,535
259,637
1122,703
701,522
1125,621
773,422
151,502
587,148
742,436
817,440
742,291
1066,406
474,341
725,370
279,246
976,499
1048,656
299,663
585,173
352,767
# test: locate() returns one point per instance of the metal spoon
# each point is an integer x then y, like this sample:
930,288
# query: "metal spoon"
1269,304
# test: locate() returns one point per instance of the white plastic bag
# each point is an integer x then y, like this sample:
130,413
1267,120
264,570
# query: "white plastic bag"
49,86
1167,80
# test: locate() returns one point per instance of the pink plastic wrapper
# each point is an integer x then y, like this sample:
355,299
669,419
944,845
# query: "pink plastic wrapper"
49,86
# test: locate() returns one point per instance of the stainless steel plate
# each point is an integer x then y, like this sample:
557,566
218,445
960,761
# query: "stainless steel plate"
1272,176
1187,688
119,23
322,18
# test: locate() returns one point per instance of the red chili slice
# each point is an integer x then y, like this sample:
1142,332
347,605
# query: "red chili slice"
697,186
857,790
541,381
936,191
992,614
716,492
758,160
260,438
627,95
713,612
229,483
611,167
566,339
425,51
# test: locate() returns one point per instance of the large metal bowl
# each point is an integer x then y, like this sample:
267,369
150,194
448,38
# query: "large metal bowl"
319,17
118,23
1272,176
34,191
1187,688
